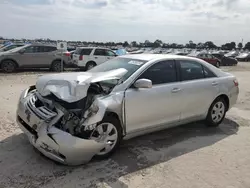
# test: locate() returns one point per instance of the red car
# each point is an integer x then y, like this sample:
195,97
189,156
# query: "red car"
208,58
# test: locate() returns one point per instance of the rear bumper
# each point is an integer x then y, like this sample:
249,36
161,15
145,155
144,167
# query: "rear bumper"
233,97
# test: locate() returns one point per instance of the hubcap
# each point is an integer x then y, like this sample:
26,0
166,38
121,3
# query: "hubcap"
218,112
105,133
58,67
90,66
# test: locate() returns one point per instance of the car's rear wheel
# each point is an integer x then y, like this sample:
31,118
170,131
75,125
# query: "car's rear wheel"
216,112
109,132
90,65
56,66
8,66
217,64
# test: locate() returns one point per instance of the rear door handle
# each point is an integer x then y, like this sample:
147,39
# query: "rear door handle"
96,57
214,83
175,90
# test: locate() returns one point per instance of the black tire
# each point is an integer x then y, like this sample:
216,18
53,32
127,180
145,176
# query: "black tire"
210,120
56,66
8,66
90,65
117,125
217,64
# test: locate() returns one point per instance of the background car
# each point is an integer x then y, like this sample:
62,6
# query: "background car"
89,57
232,54
243,56
9,47
207,57
224,61
33,56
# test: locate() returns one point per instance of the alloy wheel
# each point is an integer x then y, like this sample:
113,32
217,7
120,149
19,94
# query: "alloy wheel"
8,66
105,133
90,66
218,111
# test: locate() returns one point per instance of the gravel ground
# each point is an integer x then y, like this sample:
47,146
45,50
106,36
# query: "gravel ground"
188,156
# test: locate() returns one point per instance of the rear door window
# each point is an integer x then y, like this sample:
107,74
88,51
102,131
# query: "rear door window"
86,51
48,48
110,53
208,73
83,51
100,52
191,70
34,49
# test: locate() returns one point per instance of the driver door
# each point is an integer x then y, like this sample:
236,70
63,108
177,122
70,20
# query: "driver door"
149,107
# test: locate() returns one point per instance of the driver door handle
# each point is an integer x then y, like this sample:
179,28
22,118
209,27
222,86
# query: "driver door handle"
214,83
176,90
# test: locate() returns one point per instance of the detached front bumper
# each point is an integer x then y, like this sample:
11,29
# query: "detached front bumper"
37,123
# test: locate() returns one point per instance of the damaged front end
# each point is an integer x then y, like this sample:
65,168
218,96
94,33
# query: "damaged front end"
59,115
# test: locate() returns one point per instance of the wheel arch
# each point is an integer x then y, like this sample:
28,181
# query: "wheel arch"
114,115
58,59
9,59
225,98
91,61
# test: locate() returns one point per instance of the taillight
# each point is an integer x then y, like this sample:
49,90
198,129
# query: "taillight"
236,83
81,57
67,54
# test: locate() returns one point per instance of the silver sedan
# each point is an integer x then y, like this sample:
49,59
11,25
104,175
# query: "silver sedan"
72,117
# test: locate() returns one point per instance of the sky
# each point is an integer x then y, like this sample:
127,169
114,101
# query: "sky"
171,21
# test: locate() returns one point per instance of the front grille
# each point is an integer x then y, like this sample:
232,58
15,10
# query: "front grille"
32,131
40,110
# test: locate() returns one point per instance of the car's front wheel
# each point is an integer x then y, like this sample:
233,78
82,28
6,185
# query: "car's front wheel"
8,66
109,132
216,112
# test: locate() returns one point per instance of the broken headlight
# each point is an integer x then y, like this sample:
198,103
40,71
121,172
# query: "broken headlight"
93,109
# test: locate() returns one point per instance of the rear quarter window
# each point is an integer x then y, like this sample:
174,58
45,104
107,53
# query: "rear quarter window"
85,51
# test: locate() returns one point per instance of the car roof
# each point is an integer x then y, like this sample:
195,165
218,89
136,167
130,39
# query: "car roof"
150,57
93,48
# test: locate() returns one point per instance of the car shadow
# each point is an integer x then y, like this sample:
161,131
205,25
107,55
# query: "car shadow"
22,161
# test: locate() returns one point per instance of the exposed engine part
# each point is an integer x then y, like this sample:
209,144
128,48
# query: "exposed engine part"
69,122
75,114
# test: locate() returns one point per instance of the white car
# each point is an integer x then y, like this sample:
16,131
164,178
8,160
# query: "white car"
89,57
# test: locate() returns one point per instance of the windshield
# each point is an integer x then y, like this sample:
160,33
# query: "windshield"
17,49
131,65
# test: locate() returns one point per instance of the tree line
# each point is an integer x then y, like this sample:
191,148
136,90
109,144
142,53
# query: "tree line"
156,44
190,44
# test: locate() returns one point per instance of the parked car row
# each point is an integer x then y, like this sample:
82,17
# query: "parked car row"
216,59
9,47
14,57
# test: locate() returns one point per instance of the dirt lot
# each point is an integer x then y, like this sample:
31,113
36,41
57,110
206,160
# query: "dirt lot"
187,157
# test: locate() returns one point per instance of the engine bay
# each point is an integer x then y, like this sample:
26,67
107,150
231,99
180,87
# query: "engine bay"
76,113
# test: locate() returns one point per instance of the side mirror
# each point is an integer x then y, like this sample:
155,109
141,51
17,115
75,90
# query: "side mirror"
21,51
143,83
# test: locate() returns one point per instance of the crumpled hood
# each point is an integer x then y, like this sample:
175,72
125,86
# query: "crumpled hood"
72,87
